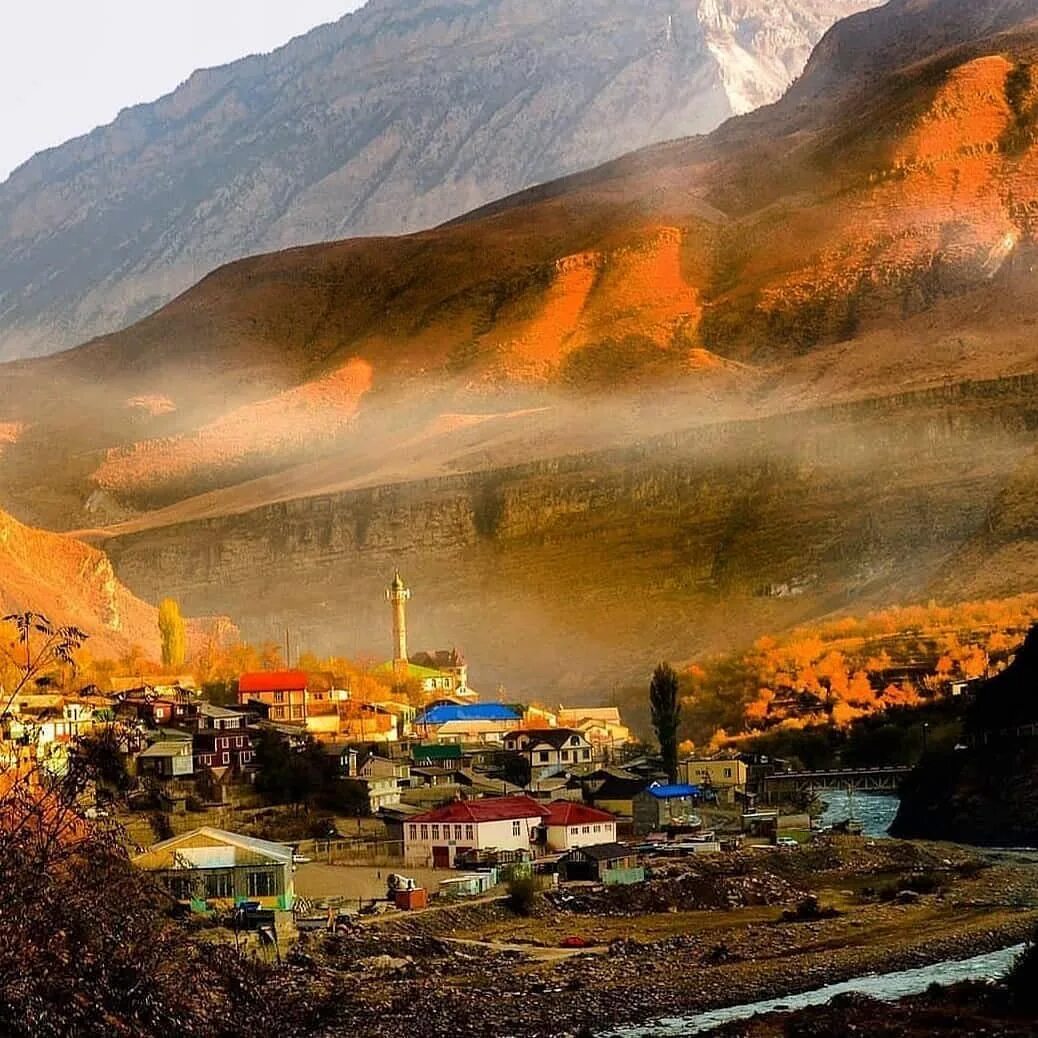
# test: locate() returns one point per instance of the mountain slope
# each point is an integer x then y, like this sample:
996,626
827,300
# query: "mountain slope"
776,263
710,389
396,118
72,583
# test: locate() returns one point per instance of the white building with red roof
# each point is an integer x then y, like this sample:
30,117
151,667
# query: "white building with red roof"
435,838
570,825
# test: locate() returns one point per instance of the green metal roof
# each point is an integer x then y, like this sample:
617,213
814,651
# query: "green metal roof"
436,752
413,671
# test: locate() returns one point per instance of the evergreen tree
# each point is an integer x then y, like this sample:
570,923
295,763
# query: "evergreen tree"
666,715
174,634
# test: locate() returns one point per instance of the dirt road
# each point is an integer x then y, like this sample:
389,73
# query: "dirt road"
351,882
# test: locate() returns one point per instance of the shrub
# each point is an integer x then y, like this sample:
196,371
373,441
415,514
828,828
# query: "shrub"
522,892
1022,980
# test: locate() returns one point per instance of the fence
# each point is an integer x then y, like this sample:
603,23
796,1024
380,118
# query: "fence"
358,852
622,877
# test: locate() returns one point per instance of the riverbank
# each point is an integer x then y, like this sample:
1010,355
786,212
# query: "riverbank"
484,972
974,1010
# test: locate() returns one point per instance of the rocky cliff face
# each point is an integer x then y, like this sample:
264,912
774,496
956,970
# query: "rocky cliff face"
396,118
72,583
573,573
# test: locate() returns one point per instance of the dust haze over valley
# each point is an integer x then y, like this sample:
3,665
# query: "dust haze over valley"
711,390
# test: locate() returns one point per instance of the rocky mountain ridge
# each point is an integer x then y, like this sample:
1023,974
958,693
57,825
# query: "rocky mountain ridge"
398,117
73,583
797,353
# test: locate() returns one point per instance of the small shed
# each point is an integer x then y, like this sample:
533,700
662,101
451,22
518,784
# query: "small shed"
608,863
660,805
471,884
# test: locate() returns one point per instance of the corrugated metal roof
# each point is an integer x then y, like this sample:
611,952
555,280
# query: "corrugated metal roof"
471,712
492,809
604,851
568,812
182,845
663,792
167,749
554,737
273,681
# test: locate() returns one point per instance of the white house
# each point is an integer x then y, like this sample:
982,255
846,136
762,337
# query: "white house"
498,823
570,825
550,749
465,731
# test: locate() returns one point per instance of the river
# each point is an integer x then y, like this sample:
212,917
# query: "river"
887,986
876,813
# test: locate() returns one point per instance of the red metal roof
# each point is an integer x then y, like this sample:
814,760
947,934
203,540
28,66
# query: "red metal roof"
567,812
491,809
273,681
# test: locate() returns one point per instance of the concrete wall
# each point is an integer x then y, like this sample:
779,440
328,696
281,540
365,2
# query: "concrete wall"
566,837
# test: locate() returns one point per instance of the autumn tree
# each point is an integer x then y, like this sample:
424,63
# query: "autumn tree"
665,706
37,649
174,634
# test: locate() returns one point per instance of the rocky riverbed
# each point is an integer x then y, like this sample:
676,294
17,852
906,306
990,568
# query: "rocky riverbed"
464,972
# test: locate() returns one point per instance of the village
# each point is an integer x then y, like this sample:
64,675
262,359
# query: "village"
463,793
421,846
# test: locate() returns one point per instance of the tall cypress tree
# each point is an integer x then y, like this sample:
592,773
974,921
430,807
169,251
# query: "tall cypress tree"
174,634
666,715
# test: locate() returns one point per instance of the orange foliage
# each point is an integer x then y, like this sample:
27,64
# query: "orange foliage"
838,672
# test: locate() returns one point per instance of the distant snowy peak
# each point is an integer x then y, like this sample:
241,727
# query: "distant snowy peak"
761,47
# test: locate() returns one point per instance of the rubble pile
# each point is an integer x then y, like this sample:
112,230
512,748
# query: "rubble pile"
456,919
681,886
865,857
365,950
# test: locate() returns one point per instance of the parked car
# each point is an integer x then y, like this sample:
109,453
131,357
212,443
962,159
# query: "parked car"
575,942
786,841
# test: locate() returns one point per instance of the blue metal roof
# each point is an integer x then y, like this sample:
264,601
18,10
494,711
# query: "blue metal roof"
468,712
669,792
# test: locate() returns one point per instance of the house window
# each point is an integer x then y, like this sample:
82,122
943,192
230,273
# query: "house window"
468,833
425,832
543,756
586,754
246,757
219,884
239,741
297,711
457,832
598,828
436,832
565,754
517,828
279,697
414,832
727,772
587,829
227,758
181,887
262,884
575,831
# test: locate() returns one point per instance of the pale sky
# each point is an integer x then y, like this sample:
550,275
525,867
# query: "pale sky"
67,66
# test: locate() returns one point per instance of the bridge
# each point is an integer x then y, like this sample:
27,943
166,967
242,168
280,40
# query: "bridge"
789,785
